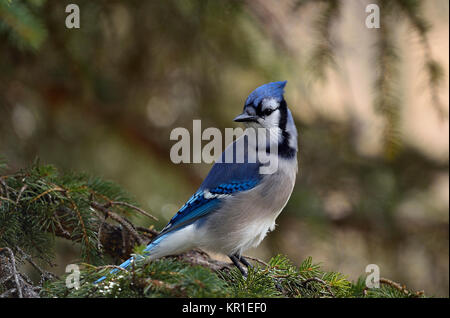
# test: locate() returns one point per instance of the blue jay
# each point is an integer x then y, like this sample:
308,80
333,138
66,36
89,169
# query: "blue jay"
237,205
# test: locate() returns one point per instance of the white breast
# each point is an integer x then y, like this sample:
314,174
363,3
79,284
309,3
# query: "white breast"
246,218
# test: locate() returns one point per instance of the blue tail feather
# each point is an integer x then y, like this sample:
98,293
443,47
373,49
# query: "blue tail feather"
115,270
129,261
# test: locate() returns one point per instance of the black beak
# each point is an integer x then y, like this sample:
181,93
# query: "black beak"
244,117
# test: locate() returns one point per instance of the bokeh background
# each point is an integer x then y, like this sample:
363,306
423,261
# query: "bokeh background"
371,106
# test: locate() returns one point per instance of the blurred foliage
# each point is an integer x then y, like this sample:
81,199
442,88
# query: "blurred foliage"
388,96
104,98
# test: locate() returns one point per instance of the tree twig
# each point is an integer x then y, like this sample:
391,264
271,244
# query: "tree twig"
44,274
316,279
126,224
147,230
14,270
134,208
256,260
20,193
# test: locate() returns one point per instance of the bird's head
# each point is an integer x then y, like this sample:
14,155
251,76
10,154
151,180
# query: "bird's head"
265,107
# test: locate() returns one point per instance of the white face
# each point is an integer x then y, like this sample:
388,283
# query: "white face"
268,115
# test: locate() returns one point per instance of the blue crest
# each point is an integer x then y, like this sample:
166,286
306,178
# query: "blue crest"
270,90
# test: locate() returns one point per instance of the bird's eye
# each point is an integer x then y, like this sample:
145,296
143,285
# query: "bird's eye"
267,111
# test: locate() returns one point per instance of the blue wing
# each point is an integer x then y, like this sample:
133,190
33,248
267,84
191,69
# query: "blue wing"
224,179
196,207
223,173
206,201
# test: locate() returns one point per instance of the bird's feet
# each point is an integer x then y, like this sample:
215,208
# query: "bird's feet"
237,260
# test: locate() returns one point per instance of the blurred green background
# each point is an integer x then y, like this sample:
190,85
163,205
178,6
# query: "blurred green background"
371,106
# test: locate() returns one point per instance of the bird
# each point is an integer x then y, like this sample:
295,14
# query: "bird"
236,205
